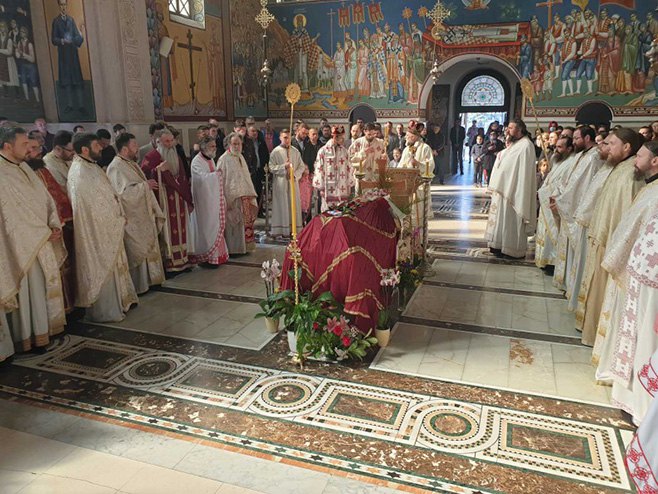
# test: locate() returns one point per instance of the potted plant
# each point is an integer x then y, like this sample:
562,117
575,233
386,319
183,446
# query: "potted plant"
410,278
272,306
307,314
389,281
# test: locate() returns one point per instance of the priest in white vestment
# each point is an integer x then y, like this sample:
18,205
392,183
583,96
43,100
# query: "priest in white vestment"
58,161
104,285
513,185
548,223
582,219
637,336
208,220
333,176
365,151
240,195
642,452
31,252
614,201
577,188
144,217
417,154
617,255
281,159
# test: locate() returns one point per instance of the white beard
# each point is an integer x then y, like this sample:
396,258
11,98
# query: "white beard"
171,157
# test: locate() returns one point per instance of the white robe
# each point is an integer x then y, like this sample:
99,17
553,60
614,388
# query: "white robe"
642,452
422,153
582,218
616,258
333,175
104,285
548,227
365,154
57,167
281,219
513,211
208,220
145,220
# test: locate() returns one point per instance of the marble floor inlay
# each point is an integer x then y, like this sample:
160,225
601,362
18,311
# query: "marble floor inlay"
562,447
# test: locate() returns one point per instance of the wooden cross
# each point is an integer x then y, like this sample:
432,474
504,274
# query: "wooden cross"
549,4
190,48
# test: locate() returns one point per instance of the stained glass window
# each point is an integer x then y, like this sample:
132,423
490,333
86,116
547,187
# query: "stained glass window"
189,12
483,90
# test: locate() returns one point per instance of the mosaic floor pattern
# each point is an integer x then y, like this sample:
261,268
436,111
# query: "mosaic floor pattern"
410,438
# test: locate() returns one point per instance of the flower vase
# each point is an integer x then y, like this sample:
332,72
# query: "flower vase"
292,342
272,324
383,336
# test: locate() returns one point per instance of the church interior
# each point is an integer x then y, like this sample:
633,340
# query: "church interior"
260,247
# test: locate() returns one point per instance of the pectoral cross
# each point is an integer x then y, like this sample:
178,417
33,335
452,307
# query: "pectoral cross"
190,48
549,4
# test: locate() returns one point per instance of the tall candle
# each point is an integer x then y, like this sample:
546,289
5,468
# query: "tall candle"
427,168
293,205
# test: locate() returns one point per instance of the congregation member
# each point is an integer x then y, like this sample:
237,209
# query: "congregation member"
513,211
636,340
548,224
144,217
615,199
42,127
282,159
325,134
108,152
395,161
118,129
333,176
565,204
65,213
436,142
241,200
58,161
31,251
260,157
391,139
366,151
355,132
174,196
476,151
270,135
457,136
617,255
492,147
103,286
208,220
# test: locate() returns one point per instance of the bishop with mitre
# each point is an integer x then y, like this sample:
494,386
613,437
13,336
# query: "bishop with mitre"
145,218
104,286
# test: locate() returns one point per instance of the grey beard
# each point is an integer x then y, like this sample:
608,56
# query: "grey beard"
171,157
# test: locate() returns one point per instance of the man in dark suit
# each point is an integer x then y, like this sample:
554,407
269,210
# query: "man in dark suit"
457,137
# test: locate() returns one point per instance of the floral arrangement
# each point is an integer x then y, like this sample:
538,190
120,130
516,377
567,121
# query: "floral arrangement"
389,281
276,303
270,274
336,340
349,208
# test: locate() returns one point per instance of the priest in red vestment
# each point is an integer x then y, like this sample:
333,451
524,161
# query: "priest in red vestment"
175,197
65,213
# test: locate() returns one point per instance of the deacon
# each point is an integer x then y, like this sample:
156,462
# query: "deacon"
617,255
582,218
283,157
365,151
333,176
31,303
144,218
513,212
615,199
637,339
104,286
565,203
163,165
208,220
548,224
240,195
65,213
58,161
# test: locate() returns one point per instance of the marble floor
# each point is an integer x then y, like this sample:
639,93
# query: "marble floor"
484,388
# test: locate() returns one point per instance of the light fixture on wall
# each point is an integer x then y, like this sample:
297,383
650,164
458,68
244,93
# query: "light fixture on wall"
436,71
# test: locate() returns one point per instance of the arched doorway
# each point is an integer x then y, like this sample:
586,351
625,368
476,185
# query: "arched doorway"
365,112
594,112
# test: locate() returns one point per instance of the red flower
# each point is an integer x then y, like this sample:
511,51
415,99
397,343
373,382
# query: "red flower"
337,330
316,326
346,341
